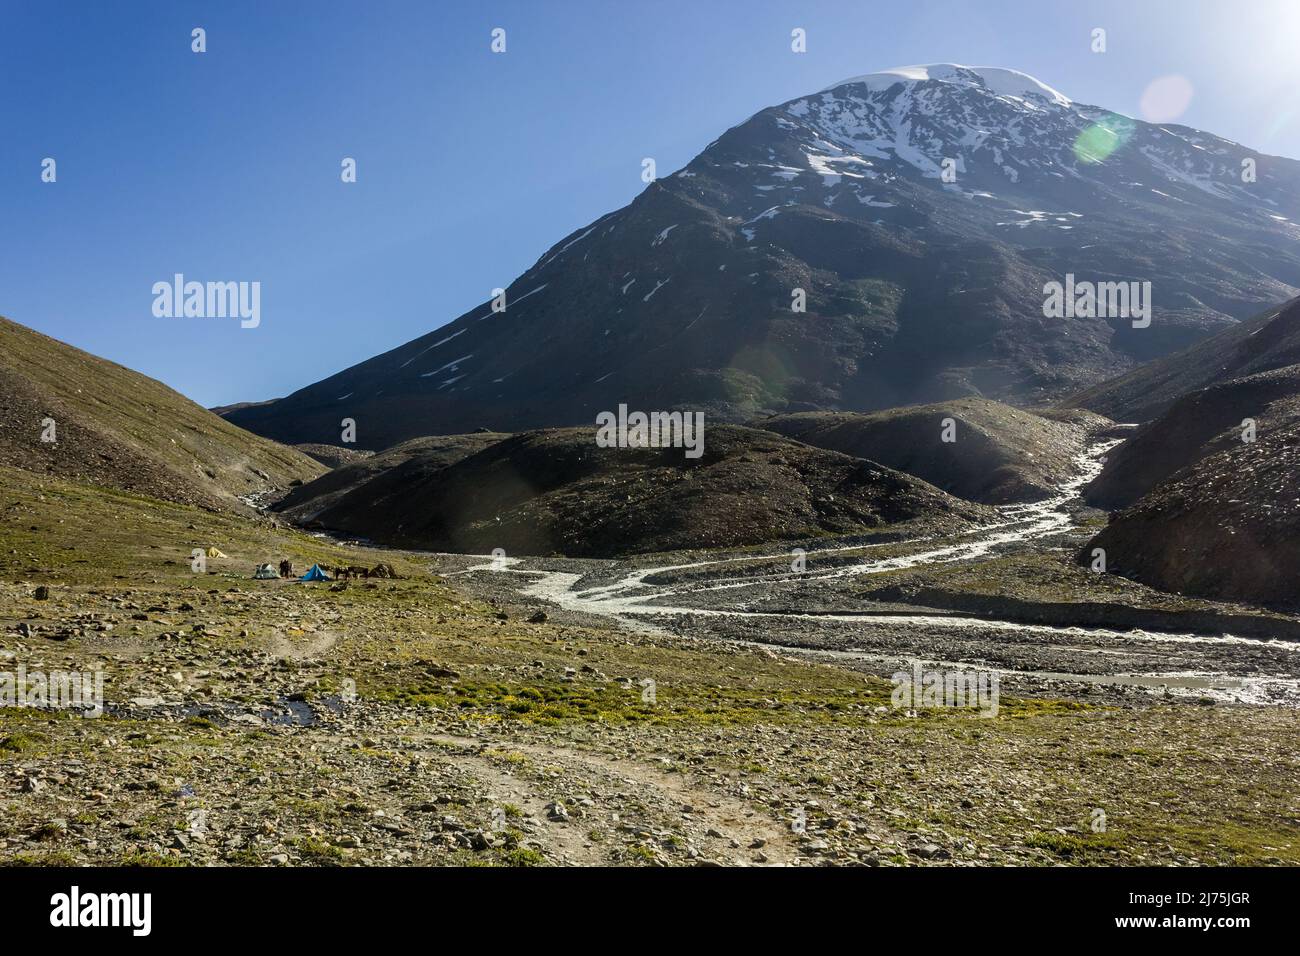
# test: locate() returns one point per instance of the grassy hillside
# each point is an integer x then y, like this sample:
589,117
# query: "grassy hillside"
118,428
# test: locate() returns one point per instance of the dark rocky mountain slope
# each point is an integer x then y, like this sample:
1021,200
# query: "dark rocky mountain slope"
415,459
1000,454
918,289
1268,341
333,456
1227,528
1203,423
556,492
1219,517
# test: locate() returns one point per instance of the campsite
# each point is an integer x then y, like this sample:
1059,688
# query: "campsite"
316,573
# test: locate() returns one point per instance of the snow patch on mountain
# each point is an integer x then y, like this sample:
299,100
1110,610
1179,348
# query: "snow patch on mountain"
996,79
431,347
450,365
658,286
663,234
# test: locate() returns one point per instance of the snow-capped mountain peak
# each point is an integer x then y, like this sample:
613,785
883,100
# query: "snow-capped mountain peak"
885,242
997,80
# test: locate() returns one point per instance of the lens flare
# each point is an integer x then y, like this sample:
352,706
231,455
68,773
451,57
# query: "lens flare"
1166,99
759,374
1099,141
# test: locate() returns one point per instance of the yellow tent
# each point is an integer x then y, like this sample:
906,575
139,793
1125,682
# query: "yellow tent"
214,553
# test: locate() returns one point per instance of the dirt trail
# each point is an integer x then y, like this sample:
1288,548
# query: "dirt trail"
711,810
305,647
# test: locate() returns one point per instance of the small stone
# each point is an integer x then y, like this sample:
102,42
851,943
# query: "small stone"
932,851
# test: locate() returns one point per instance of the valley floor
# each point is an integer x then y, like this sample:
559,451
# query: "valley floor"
440,719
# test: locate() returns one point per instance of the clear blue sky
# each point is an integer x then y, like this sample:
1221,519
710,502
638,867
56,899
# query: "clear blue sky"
225,165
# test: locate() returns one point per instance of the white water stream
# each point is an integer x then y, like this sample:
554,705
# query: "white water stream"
633,597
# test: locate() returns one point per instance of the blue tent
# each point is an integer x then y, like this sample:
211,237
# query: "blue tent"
315,574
